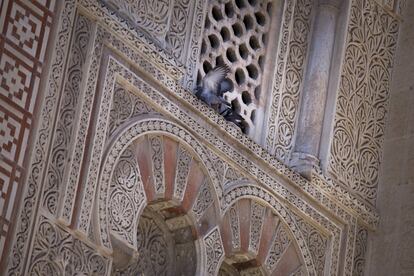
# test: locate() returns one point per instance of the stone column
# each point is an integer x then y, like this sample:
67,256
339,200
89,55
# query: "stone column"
306,150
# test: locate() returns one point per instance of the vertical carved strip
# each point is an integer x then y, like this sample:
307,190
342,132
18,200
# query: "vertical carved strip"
214,251
281,241
359,124
279,73
235,227
290,91
179,27
181,175
204,200
157,157
29,205
194,44
80,138
67,117
256,222
88,193
360,251
126,197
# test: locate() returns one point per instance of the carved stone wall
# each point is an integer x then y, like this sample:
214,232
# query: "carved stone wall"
288,77
361,104
236,35
119,133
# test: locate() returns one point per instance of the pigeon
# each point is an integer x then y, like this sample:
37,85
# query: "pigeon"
230,115
211,91
213,86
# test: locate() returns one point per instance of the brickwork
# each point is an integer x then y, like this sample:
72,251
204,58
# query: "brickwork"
25,29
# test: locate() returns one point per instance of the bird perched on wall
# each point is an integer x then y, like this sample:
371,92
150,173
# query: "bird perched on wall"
213,86
211,91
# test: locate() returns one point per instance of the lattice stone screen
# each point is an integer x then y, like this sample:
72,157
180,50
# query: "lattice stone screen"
236,35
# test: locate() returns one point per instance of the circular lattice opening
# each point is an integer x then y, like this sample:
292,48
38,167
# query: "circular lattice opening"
214,41
248,22
252,71
237,29
240,4
246,98
216,12
261,61
206,66
257,93
225,34
254,43
240,77
203,48
253,3
253,116
243,51
229,9
260,18
231,55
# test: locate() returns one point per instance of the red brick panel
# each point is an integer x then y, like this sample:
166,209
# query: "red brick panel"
25,28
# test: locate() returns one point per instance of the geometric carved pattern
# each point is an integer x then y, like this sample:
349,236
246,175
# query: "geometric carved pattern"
235,34
24,35
288,76
362,98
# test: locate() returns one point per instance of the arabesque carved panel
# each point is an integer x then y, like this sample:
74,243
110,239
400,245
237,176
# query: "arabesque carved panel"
361,107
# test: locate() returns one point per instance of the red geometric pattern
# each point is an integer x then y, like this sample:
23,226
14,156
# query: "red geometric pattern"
24,33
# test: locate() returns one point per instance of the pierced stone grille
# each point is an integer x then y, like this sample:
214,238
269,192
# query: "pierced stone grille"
235,35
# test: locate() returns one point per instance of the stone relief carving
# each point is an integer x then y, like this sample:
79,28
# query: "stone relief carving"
214,251
254,170
235,34
157,157
235,227
181,177
288,78
317,244
166,22
257,213
24,226
126,196
362,98
63,138
155,248
204,200
281,241
57,252
125,107
360,251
